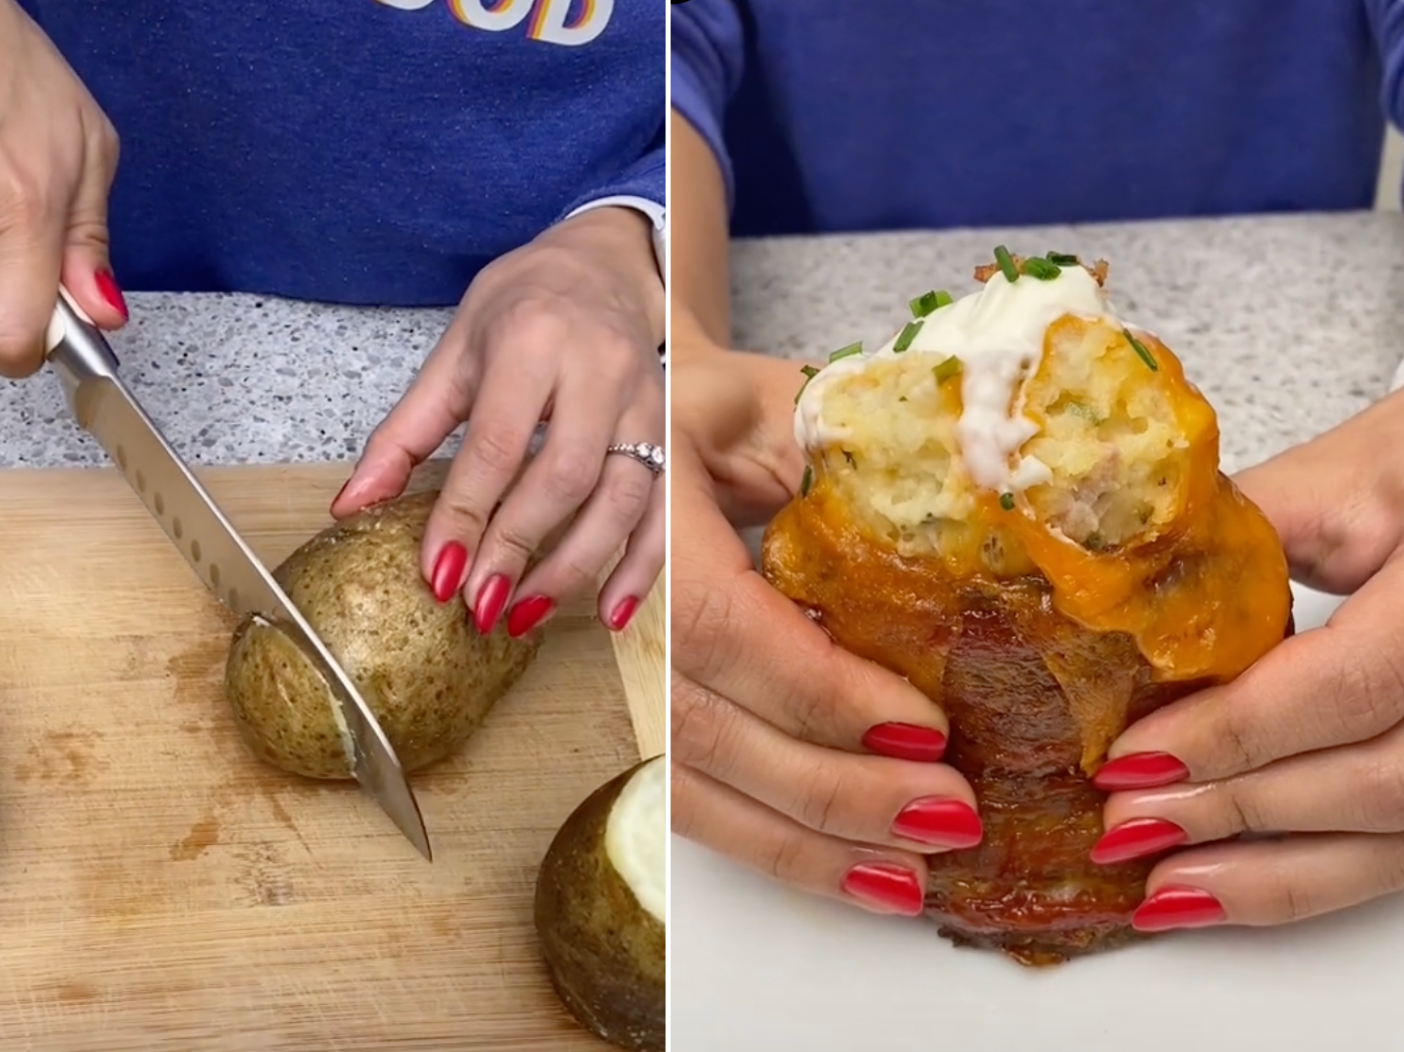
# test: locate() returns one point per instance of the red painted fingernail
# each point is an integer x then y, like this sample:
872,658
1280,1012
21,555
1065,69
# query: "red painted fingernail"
939,821
906,741
891,888
620,615
448,571
492,600
1137,838
527,614
108,290
1177,906
1142,770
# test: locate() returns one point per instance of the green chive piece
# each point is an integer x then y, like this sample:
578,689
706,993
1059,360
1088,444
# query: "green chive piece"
950,367
1006,501
847,352
931,301
1006,263
924,304
1095,542
906,336
1085,411
807,481
1043,269
809,374
1140,349
1063,259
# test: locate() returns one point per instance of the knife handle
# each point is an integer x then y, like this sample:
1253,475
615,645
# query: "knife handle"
75,347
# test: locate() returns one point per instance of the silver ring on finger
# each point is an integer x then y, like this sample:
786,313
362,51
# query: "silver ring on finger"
646,453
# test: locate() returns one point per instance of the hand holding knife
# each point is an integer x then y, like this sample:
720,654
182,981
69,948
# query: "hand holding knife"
175,498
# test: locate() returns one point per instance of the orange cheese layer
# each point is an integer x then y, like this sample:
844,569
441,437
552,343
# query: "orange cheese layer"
1204,595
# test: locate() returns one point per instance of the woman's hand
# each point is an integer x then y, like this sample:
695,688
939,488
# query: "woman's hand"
1308,744
58,154
565,329
789,754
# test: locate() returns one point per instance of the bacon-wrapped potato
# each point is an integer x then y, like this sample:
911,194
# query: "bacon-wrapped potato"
1016,503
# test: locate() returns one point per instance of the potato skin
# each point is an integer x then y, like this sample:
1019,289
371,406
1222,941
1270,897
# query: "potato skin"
423,667
1034,699
605,953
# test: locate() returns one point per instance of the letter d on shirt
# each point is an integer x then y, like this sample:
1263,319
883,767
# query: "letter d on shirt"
549,22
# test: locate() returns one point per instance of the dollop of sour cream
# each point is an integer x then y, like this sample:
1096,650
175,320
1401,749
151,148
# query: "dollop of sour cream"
997,333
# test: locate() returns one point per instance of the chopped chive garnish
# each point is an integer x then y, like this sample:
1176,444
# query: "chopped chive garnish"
1140,349
1094,543
950,367
931,301
906,336
1085,411
1043,269
1062,259
1006,263
924,304
847,352
806,481
1006,501
809,374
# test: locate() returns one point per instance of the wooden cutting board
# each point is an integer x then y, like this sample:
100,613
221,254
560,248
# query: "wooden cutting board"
164,891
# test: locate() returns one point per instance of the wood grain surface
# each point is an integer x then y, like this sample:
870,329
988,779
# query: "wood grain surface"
164,891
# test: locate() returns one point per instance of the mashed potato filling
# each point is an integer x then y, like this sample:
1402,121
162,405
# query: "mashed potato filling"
1028,397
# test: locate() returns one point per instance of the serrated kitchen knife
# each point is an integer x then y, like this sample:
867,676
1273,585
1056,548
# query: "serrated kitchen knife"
192,520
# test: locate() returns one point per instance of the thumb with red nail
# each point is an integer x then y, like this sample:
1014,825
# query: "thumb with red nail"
58,156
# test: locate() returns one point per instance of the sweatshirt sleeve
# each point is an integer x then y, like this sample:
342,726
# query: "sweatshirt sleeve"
708,58
642,185
1387,22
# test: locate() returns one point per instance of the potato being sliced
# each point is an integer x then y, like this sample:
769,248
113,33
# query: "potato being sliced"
427,673
601,909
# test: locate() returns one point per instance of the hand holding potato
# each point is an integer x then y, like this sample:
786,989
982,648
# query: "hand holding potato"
1308,745
789,754
58,154
566,328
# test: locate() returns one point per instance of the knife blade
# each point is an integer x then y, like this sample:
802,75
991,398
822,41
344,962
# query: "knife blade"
184,509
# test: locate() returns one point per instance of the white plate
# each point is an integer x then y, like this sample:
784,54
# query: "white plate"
756,966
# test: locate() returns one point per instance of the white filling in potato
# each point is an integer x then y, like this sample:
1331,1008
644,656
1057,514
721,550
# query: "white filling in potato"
635,837
1110,448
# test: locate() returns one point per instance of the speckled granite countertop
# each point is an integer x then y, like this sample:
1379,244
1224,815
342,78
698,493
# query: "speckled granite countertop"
237,379
1289,324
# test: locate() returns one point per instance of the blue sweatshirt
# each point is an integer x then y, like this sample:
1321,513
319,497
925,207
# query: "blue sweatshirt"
362,151
893,114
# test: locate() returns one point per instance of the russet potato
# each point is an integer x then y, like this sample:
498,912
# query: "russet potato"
601,908
422,666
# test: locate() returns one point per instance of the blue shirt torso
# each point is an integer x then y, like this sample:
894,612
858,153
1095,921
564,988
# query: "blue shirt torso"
893,114
357,151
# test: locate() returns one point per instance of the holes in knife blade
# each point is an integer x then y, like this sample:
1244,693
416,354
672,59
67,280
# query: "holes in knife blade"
141,482
160,502
122,458
177,528
195,550
214,574
234,598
